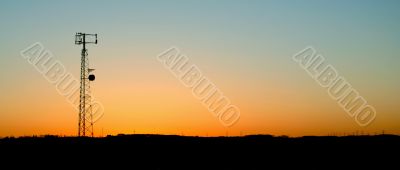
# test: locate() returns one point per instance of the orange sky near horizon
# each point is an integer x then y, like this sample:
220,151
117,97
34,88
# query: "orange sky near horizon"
244,48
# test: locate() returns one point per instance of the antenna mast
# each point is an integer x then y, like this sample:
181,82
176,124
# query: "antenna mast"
85,125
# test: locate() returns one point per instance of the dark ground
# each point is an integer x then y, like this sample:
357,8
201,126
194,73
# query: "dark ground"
166,151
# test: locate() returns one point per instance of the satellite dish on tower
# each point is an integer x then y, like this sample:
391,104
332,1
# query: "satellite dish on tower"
91,77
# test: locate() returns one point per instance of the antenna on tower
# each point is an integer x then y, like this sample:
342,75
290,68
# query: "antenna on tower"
85,102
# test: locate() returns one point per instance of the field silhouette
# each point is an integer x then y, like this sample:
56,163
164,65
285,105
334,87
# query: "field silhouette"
171,151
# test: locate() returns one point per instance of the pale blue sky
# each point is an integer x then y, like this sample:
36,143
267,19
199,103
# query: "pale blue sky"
231,41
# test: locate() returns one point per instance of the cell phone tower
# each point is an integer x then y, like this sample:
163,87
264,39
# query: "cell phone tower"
85,125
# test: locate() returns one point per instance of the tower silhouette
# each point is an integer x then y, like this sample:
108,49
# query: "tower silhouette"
85,124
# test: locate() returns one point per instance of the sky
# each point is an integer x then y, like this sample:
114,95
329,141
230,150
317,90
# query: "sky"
244,47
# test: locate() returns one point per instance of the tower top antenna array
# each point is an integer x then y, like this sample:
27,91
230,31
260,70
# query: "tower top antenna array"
85,125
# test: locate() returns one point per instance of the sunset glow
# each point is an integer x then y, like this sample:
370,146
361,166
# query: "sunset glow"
244,48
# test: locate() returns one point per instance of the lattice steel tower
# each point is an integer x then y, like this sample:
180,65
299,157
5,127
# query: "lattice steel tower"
85,125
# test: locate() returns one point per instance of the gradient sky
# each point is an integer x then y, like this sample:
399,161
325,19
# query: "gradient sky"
243,47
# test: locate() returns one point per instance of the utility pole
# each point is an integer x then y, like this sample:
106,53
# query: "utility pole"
85,124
